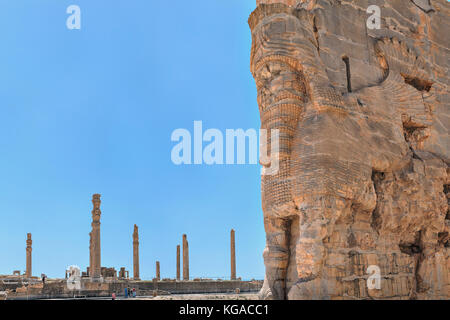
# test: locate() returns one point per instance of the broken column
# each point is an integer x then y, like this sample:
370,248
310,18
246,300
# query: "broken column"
185,258
158,271
28,272
178,262
233,255
136,253
95,268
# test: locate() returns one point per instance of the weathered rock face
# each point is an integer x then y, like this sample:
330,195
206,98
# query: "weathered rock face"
364,152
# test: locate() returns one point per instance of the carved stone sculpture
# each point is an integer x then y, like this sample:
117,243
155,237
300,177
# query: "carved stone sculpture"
363,116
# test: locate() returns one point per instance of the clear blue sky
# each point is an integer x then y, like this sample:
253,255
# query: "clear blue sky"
92,111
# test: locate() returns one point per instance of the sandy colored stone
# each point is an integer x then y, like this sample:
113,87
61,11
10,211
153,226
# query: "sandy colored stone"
233,254
136,253
95,247
210,296
364,151
178,262
158,270
185,258
29,272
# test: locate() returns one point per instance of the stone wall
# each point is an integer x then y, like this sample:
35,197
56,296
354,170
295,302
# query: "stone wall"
57,289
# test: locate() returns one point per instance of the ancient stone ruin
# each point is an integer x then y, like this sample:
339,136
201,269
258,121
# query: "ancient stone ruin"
363,115
123,273
185,258
104,282
28,272
136,253
158,271
233,254
178,262
95,248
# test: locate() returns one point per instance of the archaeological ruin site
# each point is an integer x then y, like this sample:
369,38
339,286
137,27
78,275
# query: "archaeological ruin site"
102,282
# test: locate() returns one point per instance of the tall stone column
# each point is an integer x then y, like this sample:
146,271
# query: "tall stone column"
233,255
185,258
28,271
136,253
158,271
96,265
178,262
90,255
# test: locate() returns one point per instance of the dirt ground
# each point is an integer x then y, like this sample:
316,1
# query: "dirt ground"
215,296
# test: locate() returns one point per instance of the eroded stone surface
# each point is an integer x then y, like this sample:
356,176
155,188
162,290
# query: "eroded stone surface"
178,262
185,258
364,147
233,254
29,249
136,253
94,244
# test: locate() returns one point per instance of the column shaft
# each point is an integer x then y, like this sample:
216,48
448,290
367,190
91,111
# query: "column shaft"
28,271
95,236
185,258
158,271
136,253
233,255
178,262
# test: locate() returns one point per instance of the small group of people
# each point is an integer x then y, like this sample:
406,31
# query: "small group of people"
128,293
132,292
